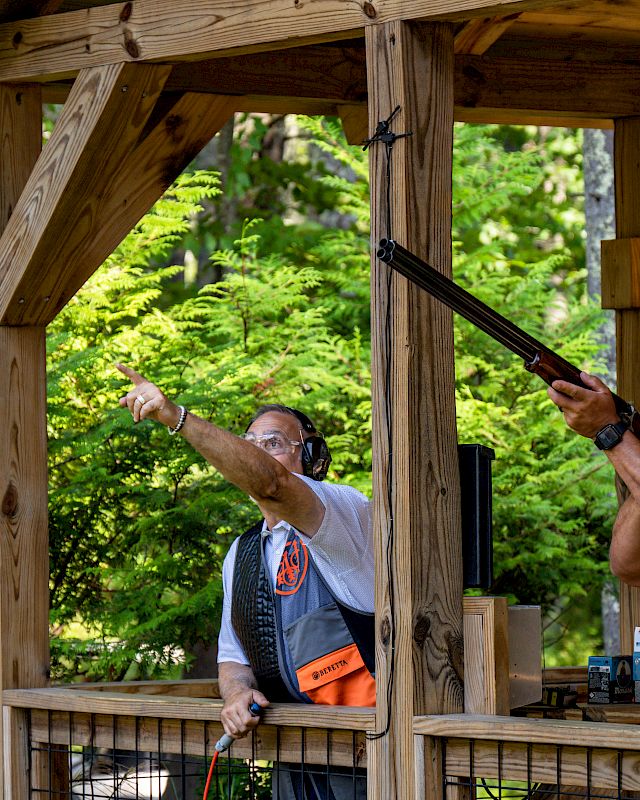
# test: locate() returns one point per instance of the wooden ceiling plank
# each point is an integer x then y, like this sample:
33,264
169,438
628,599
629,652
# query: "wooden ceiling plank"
57,46
477,35
100,123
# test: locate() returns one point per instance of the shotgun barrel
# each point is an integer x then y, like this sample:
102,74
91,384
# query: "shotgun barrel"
538,358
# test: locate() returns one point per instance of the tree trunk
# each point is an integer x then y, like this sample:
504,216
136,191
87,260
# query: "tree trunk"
599,206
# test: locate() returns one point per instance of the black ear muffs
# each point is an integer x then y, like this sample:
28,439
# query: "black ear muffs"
315,458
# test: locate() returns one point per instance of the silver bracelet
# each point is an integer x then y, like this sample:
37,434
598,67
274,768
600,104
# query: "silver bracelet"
181,421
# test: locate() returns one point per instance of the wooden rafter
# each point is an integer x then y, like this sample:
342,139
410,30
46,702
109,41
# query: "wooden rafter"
120,169
154,30
477,35
101,122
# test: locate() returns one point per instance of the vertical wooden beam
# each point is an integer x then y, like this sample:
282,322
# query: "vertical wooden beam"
24,555
417,516
627,189
15,741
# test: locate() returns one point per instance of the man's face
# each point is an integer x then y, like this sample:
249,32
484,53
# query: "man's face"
287,428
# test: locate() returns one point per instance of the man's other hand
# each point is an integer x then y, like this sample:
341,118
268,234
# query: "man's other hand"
586,411
146,401
236,717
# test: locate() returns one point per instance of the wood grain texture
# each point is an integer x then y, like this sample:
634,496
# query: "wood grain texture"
122,196
197,738
15,741
57,211
536,731
306,716
539,763
185,688
621,273
559,676
20,142
415,475
24,563
60,45
486,655
534,89
24,570
627,193
477,36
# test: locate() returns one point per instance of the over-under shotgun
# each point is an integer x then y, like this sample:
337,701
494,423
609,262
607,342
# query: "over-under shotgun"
537,357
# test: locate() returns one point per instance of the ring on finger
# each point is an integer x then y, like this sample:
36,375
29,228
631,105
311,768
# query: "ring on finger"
141,399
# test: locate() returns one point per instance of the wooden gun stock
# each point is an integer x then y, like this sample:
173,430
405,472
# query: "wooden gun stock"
537,357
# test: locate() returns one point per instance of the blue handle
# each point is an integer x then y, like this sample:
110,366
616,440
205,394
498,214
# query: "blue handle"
255,710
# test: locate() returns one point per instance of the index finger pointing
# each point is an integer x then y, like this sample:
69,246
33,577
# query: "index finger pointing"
133,376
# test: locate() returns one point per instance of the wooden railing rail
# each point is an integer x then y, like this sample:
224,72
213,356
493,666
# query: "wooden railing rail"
483,753
569,733
191,708
61,720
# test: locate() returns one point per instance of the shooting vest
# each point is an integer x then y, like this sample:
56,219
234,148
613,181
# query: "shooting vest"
302,643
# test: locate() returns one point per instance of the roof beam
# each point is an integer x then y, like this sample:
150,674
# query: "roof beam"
102,120
578,89
477,35
332,79
57,46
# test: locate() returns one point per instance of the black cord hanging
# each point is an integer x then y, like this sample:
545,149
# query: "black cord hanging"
383,134
386,136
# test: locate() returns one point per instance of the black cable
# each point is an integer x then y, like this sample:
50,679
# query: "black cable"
384,135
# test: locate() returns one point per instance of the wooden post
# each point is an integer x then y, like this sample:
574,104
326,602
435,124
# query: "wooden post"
416,485
627,189
24,556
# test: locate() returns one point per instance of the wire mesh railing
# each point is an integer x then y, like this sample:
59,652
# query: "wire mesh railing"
74,744
506,758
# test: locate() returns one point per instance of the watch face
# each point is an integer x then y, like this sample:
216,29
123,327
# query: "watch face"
608,436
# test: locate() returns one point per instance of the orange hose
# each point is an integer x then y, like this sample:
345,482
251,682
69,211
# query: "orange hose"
210,775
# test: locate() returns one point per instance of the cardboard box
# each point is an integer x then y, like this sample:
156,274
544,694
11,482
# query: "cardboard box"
610,679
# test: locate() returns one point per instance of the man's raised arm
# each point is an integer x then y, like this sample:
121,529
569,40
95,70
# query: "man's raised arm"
276,490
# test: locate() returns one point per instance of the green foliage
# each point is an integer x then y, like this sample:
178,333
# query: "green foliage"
140,524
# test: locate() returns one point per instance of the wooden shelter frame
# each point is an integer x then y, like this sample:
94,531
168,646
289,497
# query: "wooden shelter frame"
145,84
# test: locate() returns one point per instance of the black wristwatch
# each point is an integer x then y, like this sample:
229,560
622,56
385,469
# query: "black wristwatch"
610,435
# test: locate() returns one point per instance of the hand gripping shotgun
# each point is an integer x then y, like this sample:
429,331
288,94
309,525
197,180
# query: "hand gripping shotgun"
537,358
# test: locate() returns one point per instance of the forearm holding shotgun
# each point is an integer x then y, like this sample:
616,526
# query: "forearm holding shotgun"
537,357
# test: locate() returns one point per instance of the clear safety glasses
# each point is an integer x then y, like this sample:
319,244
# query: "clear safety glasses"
273,442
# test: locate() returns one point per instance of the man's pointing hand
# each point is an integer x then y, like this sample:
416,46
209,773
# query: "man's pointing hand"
146,401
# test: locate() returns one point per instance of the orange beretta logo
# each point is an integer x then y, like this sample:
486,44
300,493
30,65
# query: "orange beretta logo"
293,567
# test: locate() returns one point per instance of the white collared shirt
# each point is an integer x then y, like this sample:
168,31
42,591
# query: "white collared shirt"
342,550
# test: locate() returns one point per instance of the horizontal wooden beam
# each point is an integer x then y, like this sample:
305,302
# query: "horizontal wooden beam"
306,716
319,79
55,46
537,731
317,745
581,88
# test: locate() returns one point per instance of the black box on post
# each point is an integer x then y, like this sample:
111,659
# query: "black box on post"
477,524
